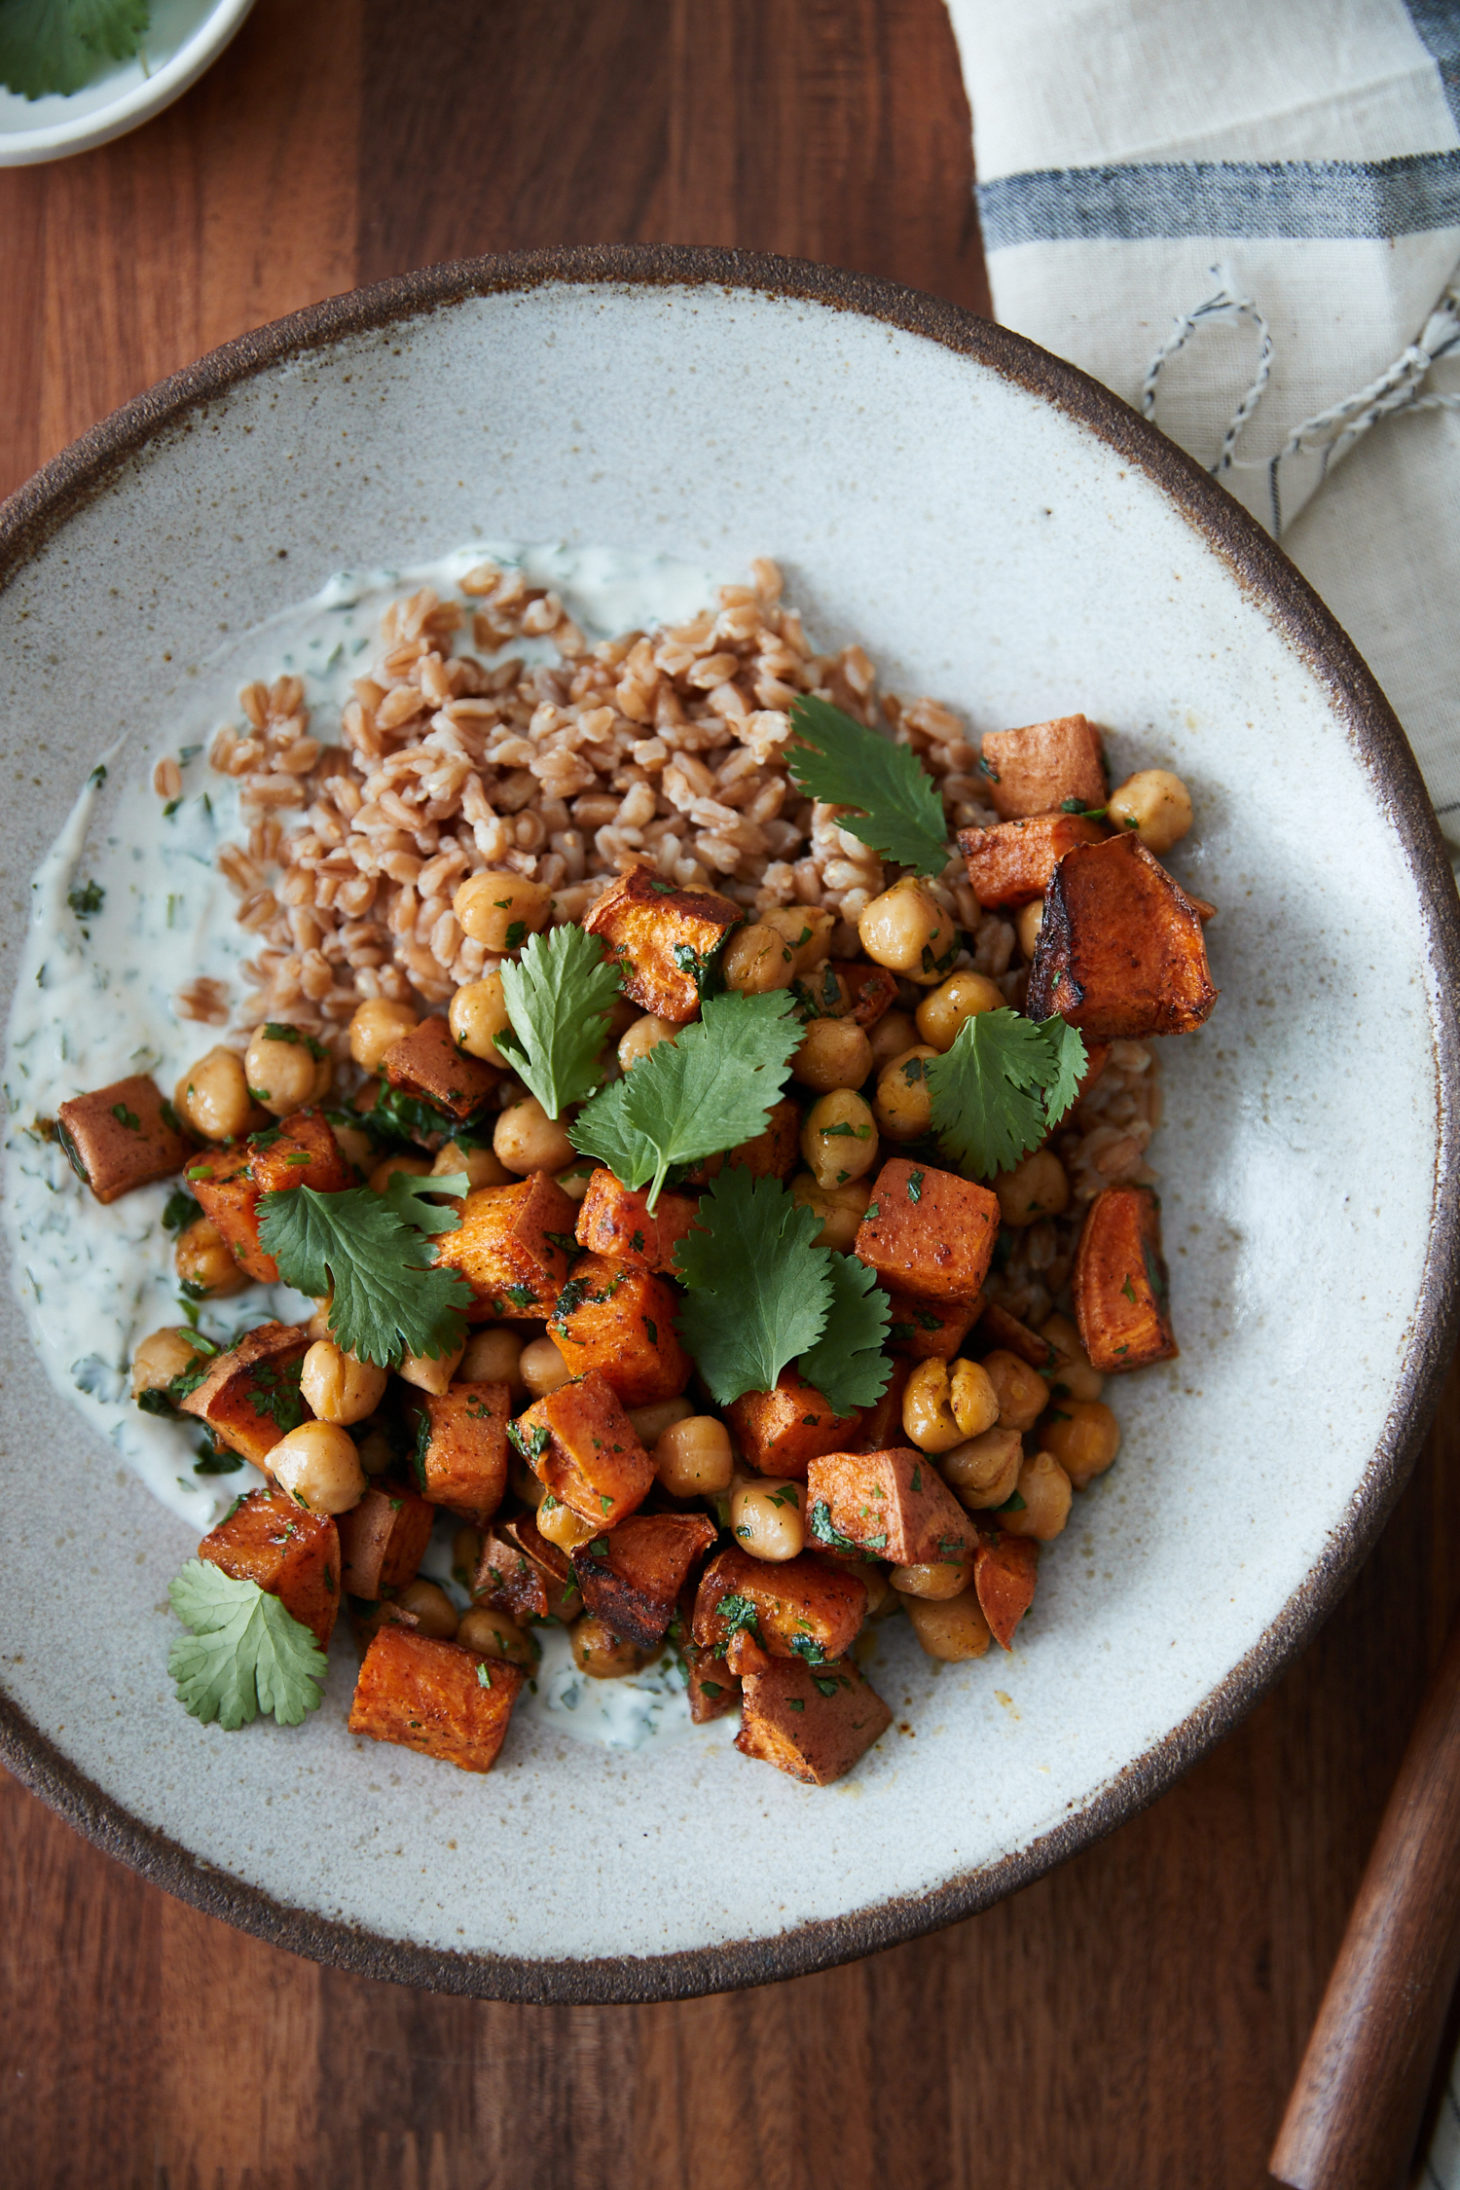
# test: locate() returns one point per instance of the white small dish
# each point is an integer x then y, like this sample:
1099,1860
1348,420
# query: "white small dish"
185,38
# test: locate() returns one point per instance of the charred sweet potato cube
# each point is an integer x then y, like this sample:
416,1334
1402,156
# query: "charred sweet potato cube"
813,1722
1005,1569
434,1697
927,1232
1120,951
231,1182
779,1431
712,1688
513,1246
427,1063
461,1448
522,1573
121,1137
580,1443
923,1330
801,1608
1012,863
293,1554
997,1328
894,1504
614,1220
881,1423
620,1321
633,1578
1036,769
1122,1295
873,989
383,1540
773,1154
664,939
250,1397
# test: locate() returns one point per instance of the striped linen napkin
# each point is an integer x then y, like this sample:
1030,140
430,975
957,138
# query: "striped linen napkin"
1245,219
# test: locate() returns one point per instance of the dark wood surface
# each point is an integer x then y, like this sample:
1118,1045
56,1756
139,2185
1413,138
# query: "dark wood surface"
1133,2020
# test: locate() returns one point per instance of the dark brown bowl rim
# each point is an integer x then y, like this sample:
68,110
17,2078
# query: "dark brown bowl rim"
84,470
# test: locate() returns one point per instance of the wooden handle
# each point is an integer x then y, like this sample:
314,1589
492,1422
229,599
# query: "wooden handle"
1355,2109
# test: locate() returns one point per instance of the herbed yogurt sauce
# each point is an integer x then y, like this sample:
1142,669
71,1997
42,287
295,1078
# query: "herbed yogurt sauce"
94,1001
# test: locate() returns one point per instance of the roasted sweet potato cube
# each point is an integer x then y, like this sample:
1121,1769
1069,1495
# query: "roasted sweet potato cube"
1122,1295
230,1183
121,1137
664,939
514,1247
427,1063
873,989
1036,769
712,1688
620,1321
894,1504
928,1233
580,1443
881,1423
802,1608
520,1572
924,1330
250,1397
633,1578
614,1220
743,1654
292,1554
773,1154
1120,951
383,1540
779,1431
1012,863
434,1697
998,1329
813,1722
1005,1569
461,1447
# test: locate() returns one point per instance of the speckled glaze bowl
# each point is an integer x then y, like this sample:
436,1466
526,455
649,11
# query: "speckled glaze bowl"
1001,532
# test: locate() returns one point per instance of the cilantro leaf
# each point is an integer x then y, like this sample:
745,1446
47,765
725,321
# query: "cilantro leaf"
847,1364
557,996
407,1196
709,1089
389,1300
899,810
60,45
244,1654
1001,1087
759,1289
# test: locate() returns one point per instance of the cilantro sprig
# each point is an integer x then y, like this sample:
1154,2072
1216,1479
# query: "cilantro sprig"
897,808
60,45
1001,1087
557,995
244,1652
371,1251
709,1089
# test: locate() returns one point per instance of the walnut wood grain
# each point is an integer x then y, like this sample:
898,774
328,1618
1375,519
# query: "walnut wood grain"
1132,2021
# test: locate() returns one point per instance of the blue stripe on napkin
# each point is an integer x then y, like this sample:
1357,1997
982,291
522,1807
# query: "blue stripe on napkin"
1437,26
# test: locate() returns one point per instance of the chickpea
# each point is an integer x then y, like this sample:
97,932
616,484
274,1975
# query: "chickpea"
415,1167
336,1386
983,1471
494,1356
526,1139
212,1096
1156,804
645,1034
903,1105
840,1208
757,959
356,1146
479,1164
318,1465
952,1628
542,1368
562,1526
937,1579
807,933
476,1016
318,1325
601,1654
431,1372
833,1053
827,993
1035,1188
1084,1437
492,1635
962,996
765,1518
286,1068
1072,1376
651,1422
377,1455
574,1181
881,1596
204,1261
927,1418
378,1024
839,1138
434,1611
161,1356
894,1032
693,1459
501,910
907,930
1022,1392
1028,921
1046,1491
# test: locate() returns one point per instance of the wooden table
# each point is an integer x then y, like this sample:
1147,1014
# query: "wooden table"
1132,2020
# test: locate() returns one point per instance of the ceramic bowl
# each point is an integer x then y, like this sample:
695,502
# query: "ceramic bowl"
184,38
1003,533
